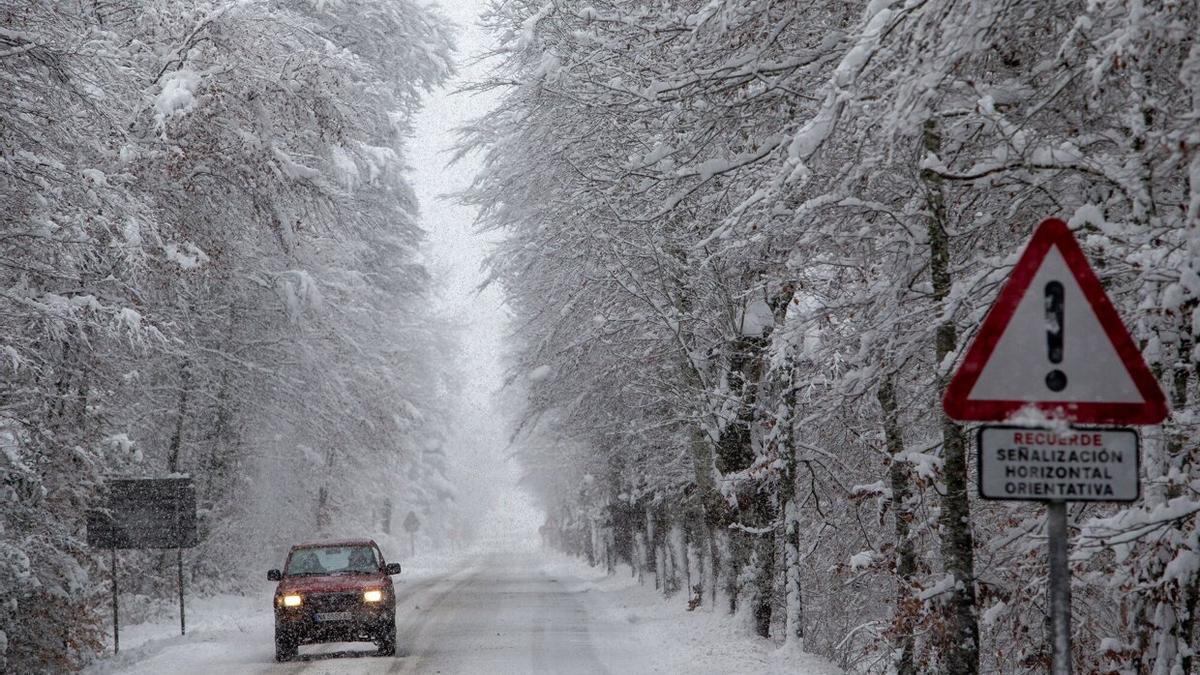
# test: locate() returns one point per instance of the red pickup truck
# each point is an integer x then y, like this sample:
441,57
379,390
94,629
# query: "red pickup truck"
334,591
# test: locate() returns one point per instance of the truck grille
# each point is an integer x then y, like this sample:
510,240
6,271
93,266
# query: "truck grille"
333,602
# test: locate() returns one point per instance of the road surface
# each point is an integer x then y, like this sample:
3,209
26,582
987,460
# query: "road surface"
500,613
497,613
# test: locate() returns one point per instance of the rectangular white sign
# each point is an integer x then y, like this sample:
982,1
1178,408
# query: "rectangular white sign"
1088,465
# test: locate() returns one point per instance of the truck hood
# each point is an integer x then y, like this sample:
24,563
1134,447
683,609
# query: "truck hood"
332,583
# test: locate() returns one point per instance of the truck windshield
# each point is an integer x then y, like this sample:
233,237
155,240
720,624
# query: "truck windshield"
332,560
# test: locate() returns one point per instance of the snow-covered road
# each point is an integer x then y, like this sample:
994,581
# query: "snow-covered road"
489,613
501,617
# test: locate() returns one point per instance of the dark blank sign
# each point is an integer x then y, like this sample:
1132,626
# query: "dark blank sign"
145,513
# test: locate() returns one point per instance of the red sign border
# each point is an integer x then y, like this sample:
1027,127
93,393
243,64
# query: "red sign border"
1053,232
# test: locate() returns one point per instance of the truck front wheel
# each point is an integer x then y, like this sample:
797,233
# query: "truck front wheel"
285,647
387,639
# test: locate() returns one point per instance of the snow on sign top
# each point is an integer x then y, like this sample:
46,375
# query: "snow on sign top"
1054,341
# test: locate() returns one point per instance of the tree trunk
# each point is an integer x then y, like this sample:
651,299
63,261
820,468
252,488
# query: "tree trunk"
589,544
735,452
322,511
764,552
652,563
1177,454
960,641
792,581
714,563
385,513
176,443
1192,589
221,455
906,564
789,449
1146,603
642,566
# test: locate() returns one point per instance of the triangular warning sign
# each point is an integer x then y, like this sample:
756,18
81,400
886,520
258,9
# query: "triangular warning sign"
1054,341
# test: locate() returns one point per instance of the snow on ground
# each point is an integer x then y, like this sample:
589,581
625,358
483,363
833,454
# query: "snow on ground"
225,632
670,638
499,612
222,631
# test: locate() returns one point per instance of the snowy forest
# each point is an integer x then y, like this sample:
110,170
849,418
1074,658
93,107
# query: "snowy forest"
210,263
745,243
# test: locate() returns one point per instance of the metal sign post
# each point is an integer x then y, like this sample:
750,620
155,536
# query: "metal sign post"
1053,346
179,570
412,524
113,573
1060,585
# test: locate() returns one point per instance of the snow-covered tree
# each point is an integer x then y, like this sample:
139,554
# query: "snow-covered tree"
746,243
211,264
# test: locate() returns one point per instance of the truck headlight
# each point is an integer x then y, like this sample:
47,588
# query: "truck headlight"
373,595
291,601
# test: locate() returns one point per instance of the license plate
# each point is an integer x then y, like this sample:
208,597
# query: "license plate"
333,616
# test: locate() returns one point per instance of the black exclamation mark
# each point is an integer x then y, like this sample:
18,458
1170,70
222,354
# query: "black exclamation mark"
1056,379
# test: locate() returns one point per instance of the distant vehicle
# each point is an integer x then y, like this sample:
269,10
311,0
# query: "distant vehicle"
334,591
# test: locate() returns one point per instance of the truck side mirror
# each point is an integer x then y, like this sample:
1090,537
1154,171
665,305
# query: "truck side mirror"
391,568
274,575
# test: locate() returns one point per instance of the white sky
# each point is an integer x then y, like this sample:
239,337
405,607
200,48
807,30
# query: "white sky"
456,254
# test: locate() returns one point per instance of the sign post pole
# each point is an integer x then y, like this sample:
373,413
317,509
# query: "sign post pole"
1060,586
116,631
179,569
412,524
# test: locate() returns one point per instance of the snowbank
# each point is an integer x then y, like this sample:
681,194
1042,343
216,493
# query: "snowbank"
672,639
